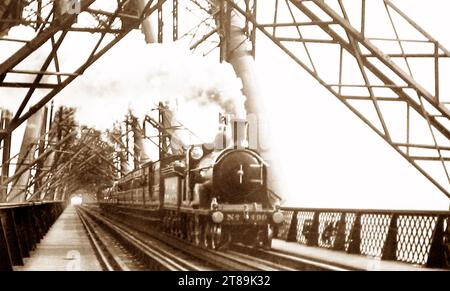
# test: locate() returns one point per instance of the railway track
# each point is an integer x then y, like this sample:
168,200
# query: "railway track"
288,260
120,249
108,256
166,250
176,249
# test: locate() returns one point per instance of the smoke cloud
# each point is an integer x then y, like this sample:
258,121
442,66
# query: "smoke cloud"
137,76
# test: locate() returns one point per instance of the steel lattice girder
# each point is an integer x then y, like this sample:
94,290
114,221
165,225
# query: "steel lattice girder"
64,25
405,89
379,69
78,162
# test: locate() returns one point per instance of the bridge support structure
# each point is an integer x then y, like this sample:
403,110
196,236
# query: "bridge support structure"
22,226
5,119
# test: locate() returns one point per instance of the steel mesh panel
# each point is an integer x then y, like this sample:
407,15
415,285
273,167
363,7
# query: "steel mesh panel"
374,229
328,226
402,236
304,218
414,238
283,229
349,220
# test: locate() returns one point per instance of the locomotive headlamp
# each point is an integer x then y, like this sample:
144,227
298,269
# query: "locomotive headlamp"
196,152
214,204
217,217
277,205
277,217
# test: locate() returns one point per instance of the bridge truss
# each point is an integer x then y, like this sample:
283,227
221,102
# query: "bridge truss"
375,73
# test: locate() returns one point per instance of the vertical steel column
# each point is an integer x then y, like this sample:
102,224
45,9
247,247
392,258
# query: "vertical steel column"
123,156
147,27
10,228
5,119
41,145
312,234
160,24
39,15
238,51
5,257
437,255
390,244
293,228
26,156
150,37
48,164
175,20
140,154
354,246
161,138
339,243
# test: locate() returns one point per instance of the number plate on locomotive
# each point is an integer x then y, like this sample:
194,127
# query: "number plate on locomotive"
241,217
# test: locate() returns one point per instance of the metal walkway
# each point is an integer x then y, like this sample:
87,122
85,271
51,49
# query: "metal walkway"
347,261
66,247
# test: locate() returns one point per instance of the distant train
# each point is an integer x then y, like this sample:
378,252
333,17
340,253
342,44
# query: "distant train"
211,196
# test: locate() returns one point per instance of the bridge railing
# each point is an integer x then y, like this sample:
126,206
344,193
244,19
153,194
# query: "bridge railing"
22,226
416,237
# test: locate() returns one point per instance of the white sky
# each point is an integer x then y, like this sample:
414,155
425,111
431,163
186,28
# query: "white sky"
327,156
330,158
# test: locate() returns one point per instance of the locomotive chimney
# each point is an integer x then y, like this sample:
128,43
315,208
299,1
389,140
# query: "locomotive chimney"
239,133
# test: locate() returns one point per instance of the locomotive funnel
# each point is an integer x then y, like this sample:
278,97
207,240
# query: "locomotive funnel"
239,133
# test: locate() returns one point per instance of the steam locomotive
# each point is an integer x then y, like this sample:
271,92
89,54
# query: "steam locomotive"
213,195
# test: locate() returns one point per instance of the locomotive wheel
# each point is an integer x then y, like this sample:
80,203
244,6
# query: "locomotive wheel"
213,236
170,223
189,231
205,234
165,223
197,231
267,244
174,225
193,235
178,231
216,237
264,237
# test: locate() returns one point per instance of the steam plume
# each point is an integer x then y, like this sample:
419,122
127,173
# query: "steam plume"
136,76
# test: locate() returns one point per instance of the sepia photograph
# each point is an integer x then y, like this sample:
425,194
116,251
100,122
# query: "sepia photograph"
229,138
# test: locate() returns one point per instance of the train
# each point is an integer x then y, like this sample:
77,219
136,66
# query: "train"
212,195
